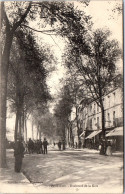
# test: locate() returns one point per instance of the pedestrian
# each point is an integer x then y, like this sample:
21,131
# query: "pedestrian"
38,147
41,147
109,149
63,144
18,154
76,145
45,144
59,145
80,144
30,146
26,148
102,151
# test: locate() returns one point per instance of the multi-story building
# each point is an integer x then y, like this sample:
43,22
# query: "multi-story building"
91,118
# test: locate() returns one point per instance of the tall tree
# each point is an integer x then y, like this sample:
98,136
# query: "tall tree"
98,66
9,33
62,112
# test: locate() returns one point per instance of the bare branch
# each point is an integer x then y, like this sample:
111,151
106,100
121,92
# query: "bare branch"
4,15
42,31
17,24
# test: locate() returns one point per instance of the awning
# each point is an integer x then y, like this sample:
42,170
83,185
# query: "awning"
116,132
83,133
94,133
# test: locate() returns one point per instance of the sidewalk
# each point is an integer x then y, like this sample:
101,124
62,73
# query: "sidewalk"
11,182
116,153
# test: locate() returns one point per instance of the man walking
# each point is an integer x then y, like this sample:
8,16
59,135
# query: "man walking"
59,145
45,143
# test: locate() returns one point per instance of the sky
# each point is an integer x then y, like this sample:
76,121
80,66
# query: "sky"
102,17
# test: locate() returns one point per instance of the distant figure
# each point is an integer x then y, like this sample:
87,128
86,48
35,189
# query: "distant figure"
38,147
45,144
80,144
109,149
18,154
30,146
26,148
41,147
76,145
59,145
103,147
63,143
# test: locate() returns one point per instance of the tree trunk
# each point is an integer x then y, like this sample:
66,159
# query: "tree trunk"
16,126
64,138
78,128
39,133
103,121
20,125
3,82
71,137
23,123
32,131
68,138
25,126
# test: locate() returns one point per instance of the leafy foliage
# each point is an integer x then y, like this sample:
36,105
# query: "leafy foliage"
27,72
97,67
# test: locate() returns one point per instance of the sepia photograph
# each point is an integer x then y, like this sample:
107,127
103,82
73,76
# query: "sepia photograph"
61,97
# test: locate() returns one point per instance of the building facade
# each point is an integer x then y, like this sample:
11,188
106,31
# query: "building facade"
90,118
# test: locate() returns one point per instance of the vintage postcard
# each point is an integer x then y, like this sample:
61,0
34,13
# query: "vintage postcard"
61,102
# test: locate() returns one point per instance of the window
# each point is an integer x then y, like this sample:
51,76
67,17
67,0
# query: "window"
91,123
113,117
108,119
97,121
114,97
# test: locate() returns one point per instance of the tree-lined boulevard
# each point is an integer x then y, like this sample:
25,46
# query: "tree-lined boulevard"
87,62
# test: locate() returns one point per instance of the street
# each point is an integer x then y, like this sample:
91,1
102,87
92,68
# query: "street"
75,169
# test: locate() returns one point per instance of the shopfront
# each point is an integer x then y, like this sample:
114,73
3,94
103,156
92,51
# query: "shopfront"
116,138
92,140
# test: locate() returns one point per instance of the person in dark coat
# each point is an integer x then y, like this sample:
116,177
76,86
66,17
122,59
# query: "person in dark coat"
63,144
103,147
59,145
38,147
45,143
18,154
30,146
41,147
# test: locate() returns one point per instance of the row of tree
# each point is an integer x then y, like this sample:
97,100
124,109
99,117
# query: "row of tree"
23,72
15,19
27,88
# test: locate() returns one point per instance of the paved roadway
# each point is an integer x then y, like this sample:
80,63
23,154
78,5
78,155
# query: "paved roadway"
75,171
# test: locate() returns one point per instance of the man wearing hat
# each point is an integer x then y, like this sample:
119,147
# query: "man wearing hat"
19,154
45,143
